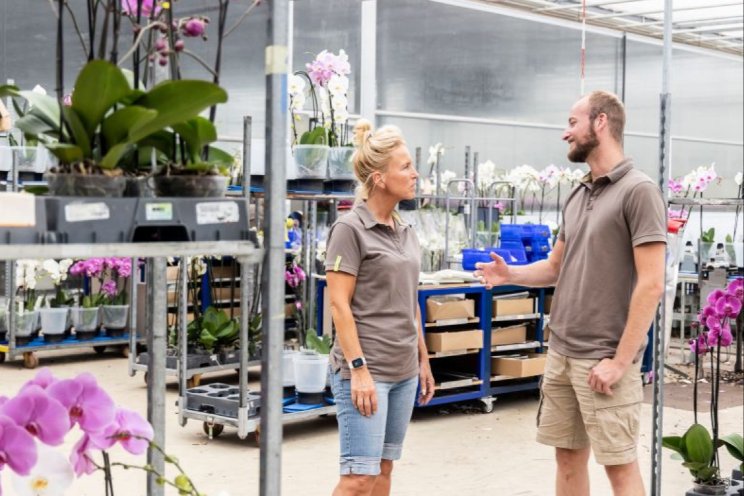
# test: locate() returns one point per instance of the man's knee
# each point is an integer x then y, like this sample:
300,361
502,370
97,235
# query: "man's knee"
386,467
571,460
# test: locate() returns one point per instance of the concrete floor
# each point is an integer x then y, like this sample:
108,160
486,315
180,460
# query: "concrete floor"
448,451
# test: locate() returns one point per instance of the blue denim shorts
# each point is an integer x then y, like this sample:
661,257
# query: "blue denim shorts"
364,441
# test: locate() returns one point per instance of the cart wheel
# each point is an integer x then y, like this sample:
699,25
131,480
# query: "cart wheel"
30,360
257,435
99,350
2,357
212,430
487,405
195,381
124,350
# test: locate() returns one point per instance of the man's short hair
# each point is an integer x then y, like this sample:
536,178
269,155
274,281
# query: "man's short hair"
604,102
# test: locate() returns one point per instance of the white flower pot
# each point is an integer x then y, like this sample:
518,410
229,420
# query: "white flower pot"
114,316
84,319
311,161
310,371
340,164
53,320
288,375
25,323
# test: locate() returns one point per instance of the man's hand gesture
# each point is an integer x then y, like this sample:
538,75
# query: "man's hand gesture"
494,273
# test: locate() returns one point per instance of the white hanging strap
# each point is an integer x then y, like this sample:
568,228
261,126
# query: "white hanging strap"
583,45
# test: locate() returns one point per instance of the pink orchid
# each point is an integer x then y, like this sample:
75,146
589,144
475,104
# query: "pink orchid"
42,416
17,448
714,296
132,431
728,306
194,27
725,336
129,7
736,288
699,345
80,457
88,405
713,323
43,379
675,186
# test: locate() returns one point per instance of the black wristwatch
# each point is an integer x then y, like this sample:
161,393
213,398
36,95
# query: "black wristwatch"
357,363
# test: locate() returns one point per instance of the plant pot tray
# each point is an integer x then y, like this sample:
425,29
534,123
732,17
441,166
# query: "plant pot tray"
119,220
221,399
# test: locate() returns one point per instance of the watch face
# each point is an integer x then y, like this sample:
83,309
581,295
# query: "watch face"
357,362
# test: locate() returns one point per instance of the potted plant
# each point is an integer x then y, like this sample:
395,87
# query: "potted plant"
26,315
697,447
85,312
115,302
54,315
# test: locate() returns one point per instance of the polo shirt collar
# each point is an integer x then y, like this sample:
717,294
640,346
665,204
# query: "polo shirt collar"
613,176
369,221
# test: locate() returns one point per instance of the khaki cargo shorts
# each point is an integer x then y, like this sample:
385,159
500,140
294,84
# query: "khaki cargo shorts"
572,416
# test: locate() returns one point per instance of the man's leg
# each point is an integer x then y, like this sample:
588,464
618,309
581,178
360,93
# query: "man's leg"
382,482
626,479
572,476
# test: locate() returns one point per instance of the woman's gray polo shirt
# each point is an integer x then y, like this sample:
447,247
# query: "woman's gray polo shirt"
603,220
386,264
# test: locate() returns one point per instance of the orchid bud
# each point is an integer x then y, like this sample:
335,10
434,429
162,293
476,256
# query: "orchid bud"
160,44
163,61
179,45
193,27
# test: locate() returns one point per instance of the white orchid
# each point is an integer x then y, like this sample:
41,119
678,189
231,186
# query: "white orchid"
550,176
426,186
487,175
26,273
51,476
434,151
39,90
738,179
296,85
338,85
444,179
340,116
339,103
298,102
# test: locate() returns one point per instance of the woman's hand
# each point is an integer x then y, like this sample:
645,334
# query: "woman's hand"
363,392
426,382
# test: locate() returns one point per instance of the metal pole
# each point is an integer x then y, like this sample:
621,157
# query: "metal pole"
418,168
182,332
474,213
133,330
277,124
664,171
247,130
156,347
311,232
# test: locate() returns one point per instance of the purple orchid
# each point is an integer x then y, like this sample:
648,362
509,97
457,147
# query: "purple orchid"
728,306
736,288
726,337
714,296
42,416
80,457
88,405
675,186
109,288
17,448
129,7
129,429
43,379
699,345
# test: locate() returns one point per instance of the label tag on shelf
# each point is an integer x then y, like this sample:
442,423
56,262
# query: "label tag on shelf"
224,212
19,210
85,212
159,211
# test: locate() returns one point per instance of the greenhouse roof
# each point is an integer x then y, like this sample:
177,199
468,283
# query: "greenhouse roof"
715,24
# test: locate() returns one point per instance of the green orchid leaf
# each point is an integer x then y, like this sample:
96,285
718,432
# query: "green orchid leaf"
36,190
176,102
207,339
116,127
98,87
33,125
196,132
735,445
47,108
674,443
65,152
698,444
219,157
77,131
114,155
7,90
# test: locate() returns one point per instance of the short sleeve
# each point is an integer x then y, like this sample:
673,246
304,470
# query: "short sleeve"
645,214
562,229
343,250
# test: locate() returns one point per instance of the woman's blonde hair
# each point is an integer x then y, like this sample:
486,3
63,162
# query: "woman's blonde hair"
373,151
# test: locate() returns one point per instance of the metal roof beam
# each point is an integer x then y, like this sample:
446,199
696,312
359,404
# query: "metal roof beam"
640,14
697,22
601,3
711,29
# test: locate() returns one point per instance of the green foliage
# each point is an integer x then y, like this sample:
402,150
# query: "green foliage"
735,445
214,328
93,300
709,236
317,343
108,120
60,299
317,136
696,449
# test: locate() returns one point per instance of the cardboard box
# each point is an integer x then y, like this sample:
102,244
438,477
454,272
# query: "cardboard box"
508,335
513,306
458,340
445,308
522,366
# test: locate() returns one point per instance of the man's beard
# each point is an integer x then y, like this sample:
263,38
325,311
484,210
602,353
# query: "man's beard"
582,150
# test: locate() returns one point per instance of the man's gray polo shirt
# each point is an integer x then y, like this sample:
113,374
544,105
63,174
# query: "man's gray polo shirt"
386,263
603,220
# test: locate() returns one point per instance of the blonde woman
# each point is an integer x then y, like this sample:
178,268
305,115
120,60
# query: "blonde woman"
379,356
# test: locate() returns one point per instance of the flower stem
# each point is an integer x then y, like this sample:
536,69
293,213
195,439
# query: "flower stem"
201,61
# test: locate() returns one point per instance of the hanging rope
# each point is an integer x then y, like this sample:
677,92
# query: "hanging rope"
583,45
